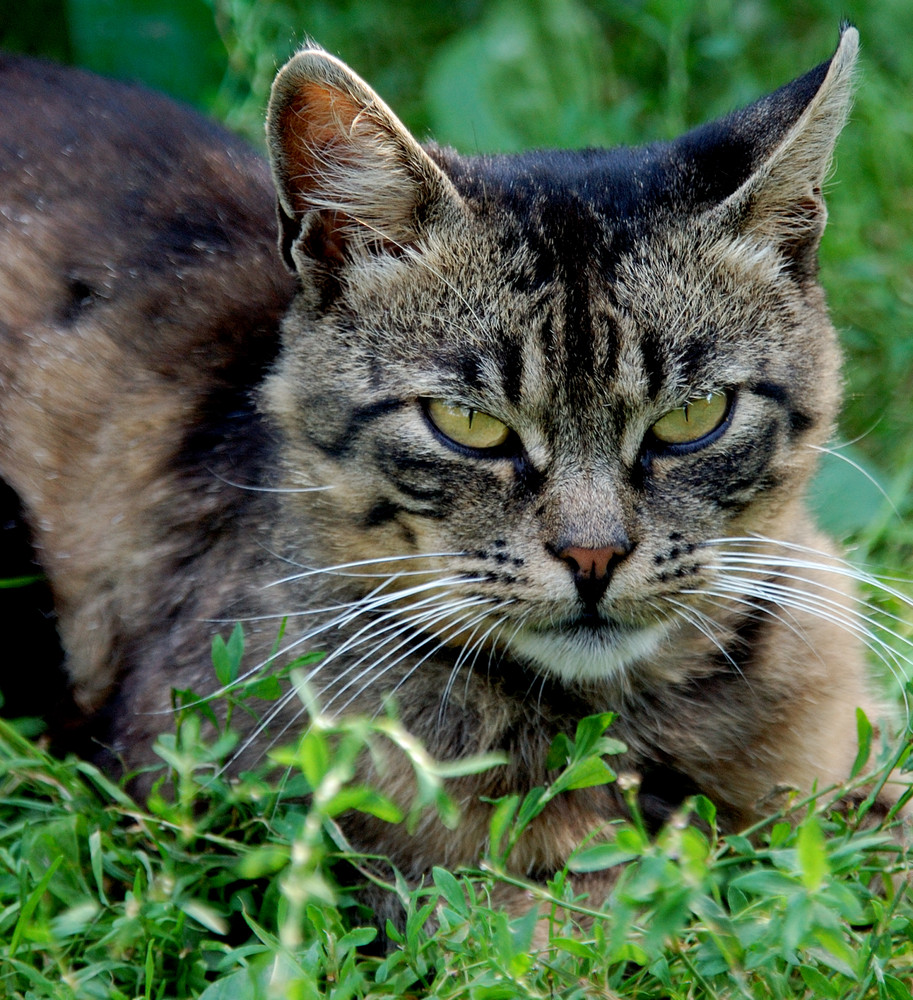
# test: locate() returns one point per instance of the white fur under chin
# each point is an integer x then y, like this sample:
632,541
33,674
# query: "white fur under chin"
583,656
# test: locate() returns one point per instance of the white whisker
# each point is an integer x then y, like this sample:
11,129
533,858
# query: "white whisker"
705,625
415,626
747,563
380,560
391,620
371,603
425,636
269,489
471,648
824,609
863,472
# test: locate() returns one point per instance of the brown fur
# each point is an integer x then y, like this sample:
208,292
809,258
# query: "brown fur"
181,463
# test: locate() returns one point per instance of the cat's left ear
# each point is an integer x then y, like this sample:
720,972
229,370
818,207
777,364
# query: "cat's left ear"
780,203
350,178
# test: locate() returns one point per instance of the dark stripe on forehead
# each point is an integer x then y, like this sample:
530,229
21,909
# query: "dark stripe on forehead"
567,240
576,243
547,336
469,367
696,359
510,365
606,331
578,327
653,355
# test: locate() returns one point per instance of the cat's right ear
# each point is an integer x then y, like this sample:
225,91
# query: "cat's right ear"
791,135
350,178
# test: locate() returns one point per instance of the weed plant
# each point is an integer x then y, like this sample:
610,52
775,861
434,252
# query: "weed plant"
225,889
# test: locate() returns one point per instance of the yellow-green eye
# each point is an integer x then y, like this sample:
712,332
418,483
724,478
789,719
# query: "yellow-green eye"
693,421
468,427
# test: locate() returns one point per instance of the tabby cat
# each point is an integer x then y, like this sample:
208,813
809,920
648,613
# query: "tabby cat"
513,439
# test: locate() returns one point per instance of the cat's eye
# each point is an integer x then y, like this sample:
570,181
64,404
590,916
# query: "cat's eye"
465,426
693,421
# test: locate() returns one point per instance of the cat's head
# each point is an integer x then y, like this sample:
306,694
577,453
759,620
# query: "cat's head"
541,388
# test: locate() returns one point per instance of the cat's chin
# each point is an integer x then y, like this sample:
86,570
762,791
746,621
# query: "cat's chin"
586,653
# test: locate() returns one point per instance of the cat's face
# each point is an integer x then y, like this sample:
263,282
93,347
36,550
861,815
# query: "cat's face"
543,392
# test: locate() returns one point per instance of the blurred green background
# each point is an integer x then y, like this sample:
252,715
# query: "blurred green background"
504,75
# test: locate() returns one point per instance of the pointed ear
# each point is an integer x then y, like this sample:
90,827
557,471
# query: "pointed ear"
795,129
350,178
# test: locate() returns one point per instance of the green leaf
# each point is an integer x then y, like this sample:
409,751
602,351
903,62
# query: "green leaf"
523,929
600,857
357,938
474,764
864,738
312,756
741,845
531,806
505,809
586,773
451,890
896,989
835,952
205,915
45,843
820,985
589,731
705,810
781,834
560,752
264,860
96,858
766,883
270,974
226,656
668,918
812,854
31,904
574,947
265,688
365,800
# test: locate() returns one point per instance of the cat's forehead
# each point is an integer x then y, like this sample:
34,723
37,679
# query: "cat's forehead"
527,321
625,186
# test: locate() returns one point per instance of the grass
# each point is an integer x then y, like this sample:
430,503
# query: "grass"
220,889
225,890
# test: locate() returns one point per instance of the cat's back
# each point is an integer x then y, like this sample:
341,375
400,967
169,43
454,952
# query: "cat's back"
110,193
137,255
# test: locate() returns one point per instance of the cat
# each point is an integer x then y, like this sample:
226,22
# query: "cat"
512,439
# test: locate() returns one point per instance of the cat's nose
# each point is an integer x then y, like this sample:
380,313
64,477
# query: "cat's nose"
592,568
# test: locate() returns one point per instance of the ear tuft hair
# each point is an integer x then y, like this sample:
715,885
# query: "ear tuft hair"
350,177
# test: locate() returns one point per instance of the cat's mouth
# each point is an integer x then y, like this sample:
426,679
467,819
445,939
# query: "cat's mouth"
587,647
594,623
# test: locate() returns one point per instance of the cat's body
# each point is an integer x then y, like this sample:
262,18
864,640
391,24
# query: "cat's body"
563,405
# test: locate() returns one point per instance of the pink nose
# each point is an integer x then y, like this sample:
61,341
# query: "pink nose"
595,564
